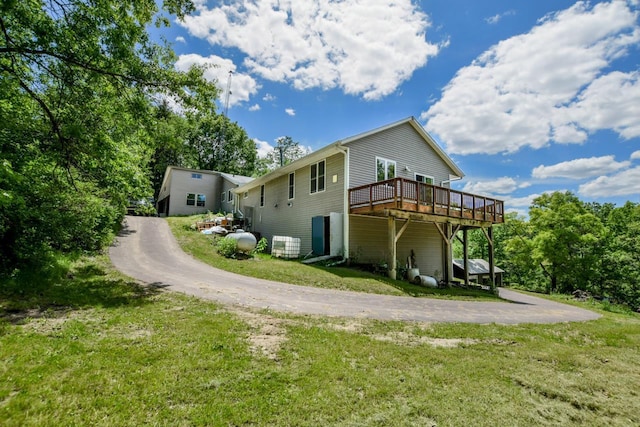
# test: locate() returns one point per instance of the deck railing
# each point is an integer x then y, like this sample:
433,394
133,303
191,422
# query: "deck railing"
409,195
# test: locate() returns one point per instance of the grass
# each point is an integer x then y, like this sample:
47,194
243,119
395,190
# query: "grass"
91,347
265,267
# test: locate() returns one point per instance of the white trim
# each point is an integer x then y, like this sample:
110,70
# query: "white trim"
324,176
289,185
415,177
387,162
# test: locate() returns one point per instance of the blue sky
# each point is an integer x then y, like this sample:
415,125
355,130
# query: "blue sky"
526,96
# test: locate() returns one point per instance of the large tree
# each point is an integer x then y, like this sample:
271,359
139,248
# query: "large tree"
75,83
216,143
285,151
567,243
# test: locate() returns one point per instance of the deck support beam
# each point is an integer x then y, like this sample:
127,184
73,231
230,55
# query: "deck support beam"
465,250
488,233
448,233
394,236
391,226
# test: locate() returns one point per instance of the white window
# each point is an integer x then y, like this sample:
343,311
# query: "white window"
196,175
245,195
229,196
191,199
424,178
317,177
292,185
261,195
200,200
385,169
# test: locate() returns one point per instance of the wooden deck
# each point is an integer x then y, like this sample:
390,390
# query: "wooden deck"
413,196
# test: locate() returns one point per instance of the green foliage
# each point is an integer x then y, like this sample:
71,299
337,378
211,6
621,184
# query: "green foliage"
566,245
227,247
286,151
261,246
215,143
78,120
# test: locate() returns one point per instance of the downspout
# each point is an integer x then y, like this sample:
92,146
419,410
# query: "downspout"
345,219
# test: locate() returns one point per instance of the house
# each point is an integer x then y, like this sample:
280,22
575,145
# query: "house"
374,197
191,191
478,271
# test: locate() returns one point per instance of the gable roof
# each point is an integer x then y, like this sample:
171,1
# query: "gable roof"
339,147
421,131
234,179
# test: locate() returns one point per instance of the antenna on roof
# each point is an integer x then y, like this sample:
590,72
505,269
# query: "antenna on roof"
226,98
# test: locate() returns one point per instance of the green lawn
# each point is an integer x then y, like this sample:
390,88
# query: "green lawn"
94,348
265,267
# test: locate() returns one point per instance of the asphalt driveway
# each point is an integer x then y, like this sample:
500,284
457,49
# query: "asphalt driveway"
146,250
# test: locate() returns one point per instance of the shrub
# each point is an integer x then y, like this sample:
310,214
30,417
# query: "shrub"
227,247
261,246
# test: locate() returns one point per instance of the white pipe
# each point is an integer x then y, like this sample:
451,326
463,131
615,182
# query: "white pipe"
447,181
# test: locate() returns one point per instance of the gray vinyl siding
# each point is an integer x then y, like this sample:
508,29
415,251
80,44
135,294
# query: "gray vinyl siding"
283,217
180,183
226,206
369,244
401,144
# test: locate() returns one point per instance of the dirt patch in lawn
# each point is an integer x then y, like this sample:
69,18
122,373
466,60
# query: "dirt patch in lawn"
266,333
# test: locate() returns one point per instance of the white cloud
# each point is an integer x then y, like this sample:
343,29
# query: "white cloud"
217,69
497,17
264,148
580,168
520,202
365,48
635,155
255,107
502,185
624,183
269,98
290,111
548,85
181,39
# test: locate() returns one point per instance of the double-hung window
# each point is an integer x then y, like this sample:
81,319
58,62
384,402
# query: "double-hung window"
385,169
317,177
194,199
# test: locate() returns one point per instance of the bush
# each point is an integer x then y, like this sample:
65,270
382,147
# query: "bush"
261,246
227,247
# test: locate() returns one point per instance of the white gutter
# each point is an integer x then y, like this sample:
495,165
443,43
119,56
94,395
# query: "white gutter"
447,181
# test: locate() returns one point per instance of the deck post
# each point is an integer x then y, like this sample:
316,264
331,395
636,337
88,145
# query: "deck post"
391,225
465,246
492,272
448,254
